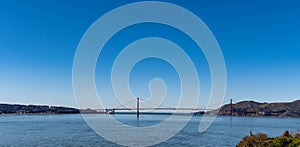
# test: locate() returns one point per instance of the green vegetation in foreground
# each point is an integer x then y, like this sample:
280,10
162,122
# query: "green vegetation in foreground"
262,140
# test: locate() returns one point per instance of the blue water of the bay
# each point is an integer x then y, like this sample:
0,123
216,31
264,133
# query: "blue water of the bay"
72,130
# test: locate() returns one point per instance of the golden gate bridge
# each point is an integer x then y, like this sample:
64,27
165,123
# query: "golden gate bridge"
137,109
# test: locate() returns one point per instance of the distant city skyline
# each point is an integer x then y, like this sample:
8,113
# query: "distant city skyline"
259,41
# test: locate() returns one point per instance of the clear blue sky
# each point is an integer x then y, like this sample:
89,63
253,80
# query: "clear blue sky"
38,39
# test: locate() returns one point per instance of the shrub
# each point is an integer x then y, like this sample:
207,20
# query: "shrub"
257,140
281,142
286,134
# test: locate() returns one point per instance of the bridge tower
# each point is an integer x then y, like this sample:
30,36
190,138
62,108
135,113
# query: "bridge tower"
137,108
230,107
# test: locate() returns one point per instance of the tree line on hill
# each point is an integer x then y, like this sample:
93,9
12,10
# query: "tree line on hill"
34,109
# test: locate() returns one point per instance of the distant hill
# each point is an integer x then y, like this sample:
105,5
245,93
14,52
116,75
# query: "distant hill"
35,109
252,108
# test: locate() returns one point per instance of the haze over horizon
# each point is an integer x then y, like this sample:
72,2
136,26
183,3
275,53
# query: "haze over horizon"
259,41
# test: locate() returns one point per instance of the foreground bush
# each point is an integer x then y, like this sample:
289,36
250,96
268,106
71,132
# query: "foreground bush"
262,140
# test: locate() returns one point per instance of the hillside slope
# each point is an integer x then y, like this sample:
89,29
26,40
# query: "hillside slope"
252,108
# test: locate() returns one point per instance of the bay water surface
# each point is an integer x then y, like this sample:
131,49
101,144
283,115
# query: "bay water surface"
72,130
